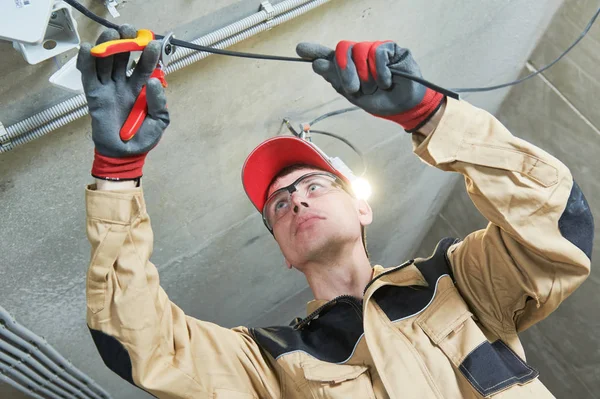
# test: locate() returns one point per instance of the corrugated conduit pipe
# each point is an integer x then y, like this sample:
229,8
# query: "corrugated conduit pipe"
76,107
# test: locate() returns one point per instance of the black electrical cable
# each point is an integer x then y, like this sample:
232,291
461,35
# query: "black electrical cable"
451,93
192,46
213,50
96,18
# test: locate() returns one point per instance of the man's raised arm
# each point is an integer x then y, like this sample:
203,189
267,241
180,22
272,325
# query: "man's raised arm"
140,334
536,250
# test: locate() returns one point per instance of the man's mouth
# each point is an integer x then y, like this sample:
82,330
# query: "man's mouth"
306,220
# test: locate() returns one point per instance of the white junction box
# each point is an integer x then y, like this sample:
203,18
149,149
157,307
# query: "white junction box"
39,29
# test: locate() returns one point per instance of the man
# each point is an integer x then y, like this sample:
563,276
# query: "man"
442,327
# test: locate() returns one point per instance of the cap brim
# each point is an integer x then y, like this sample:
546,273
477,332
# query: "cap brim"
271,156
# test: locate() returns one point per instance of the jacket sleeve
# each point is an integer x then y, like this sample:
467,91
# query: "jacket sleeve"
536,249
141,335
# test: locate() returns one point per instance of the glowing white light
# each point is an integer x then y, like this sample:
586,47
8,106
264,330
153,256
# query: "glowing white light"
362,188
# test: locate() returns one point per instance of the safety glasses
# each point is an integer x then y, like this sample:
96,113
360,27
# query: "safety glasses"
311,185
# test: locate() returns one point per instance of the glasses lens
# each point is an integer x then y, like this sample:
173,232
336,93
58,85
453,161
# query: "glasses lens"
313,186
276,207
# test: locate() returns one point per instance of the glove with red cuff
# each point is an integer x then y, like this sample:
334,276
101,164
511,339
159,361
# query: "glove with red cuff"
364,74
111,95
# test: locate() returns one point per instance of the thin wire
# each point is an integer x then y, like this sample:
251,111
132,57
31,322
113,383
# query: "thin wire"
356,150
286,121
333,113
490,88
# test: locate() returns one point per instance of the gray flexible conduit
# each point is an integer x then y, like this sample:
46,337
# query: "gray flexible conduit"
25,391
12,349
25,381
20,371
11,331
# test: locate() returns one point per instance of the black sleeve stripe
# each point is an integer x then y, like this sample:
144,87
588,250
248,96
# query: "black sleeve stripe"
576,224
114,355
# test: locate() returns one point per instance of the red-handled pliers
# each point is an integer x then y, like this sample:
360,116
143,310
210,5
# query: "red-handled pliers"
140,107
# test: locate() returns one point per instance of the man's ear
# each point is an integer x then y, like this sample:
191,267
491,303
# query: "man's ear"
365,213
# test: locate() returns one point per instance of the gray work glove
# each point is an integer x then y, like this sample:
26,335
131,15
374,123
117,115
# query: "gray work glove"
111,95
364,74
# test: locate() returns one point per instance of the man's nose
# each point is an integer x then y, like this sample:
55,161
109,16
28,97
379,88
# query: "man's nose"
298,201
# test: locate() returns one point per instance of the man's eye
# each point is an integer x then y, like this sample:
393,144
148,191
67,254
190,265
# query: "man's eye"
314,187
280,205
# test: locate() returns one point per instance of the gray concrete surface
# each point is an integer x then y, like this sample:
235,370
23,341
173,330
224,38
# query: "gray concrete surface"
215,258
551,112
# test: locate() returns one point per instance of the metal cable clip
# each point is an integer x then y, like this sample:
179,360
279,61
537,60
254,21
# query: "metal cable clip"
267,7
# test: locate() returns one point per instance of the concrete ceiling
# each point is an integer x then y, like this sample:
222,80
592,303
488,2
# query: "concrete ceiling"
216,259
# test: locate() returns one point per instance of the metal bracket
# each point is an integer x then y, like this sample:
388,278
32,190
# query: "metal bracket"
3,132
111,5
5,144
267,7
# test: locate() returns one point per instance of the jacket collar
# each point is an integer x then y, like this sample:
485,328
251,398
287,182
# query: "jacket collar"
315,304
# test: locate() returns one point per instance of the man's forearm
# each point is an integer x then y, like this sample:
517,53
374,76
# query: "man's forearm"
108,185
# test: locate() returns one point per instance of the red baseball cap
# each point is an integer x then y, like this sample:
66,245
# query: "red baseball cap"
274,154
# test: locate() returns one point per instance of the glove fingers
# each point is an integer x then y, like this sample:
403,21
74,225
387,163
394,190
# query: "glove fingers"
104,65
146,65
360,55
120,61
346,68
380,55
157,101
327,70
312,51
87,66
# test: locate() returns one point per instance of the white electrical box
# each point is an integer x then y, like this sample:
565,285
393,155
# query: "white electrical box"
39,29
24,20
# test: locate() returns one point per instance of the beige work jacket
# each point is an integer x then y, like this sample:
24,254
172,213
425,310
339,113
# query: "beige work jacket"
442,327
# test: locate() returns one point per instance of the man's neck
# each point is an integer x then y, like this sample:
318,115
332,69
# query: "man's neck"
346,273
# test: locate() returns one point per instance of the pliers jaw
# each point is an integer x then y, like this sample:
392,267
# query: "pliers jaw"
167,50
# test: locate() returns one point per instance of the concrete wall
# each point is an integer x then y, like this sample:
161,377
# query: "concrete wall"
559,113
216,259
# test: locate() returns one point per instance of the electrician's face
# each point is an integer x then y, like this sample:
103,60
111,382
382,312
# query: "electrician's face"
318,217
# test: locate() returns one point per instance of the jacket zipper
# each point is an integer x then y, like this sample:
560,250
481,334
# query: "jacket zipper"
407,263
348,299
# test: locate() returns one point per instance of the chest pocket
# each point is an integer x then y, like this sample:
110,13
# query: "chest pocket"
337,381
490,368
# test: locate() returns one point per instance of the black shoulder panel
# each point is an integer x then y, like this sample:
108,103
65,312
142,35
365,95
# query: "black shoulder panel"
490,368
331,337
437,264
402,302
113,354
576,224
